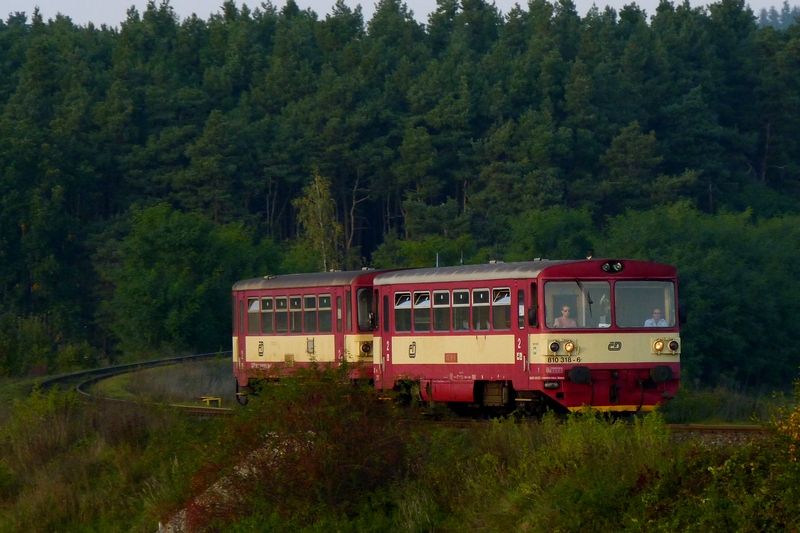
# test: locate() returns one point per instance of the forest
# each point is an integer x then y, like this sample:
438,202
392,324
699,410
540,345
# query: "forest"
145,168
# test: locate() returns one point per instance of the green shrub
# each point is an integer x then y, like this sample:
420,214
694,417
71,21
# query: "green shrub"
315,446
66,465
319,454
720,404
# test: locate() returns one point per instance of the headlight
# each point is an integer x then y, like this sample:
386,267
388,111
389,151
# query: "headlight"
366,347
555,347
612,266
658,345
673,345
569,346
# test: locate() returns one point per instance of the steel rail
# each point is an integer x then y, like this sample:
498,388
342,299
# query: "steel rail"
84,378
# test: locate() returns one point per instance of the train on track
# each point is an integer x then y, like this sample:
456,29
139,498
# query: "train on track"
534,335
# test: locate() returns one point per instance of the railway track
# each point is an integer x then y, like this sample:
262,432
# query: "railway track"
83,380
718,434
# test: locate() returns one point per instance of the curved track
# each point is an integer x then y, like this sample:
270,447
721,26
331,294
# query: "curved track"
82,380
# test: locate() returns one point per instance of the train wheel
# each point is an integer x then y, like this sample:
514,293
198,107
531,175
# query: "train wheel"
241,396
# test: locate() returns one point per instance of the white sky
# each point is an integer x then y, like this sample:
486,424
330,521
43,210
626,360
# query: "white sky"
112,12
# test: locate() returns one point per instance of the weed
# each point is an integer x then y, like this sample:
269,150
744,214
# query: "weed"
721,404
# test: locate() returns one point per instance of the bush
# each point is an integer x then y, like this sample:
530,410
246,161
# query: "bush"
66,465
720,404
307,449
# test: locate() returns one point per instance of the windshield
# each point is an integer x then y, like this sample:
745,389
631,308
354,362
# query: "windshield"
648,304
577,304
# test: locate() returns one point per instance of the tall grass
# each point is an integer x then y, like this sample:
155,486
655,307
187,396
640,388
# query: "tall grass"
544,476
319,454
70,466
334,461
179,383
314,447
722,404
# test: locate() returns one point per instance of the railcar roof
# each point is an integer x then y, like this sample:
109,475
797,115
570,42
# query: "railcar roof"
525,269
310,279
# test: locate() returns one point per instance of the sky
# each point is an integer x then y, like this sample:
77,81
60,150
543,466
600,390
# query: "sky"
112,12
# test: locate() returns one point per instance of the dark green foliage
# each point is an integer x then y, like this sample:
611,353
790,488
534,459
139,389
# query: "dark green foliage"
320,454
171,276
782,20
316,448
477,136
734,281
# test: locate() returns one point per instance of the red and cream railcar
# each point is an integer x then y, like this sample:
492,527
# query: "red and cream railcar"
492,335
285,322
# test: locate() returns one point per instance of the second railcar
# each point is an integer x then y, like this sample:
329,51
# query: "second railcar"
538,334
291,321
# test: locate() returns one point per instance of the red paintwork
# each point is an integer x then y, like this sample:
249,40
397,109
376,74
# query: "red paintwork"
456,383
306,285
246,371
612,384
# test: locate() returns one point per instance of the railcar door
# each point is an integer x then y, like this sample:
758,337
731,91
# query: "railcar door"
240,327
384,377
520,327
339,330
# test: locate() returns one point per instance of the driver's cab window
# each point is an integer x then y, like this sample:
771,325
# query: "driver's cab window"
577,304
645,304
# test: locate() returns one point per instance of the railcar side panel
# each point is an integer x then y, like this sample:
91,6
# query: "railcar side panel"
282,323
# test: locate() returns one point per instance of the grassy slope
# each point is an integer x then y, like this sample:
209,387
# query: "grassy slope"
71,467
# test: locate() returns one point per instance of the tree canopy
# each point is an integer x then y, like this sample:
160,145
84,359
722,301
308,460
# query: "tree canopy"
145,168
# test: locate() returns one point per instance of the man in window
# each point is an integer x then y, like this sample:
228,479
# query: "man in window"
565,321
656,320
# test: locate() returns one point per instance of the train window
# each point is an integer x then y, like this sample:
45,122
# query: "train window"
252,315
644,304
348,310
239,325
385,316
402,311
364,302
577,304
266,315
461,310
441,310
295,314
281,315
480,309
325,313
339,314
310,314
501,308
422,311
520,309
